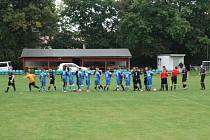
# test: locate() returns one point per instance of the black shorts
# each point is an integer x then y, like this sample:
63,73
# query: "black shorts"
174,79
184,79
164,81
136,81
11,83
52,81
145,81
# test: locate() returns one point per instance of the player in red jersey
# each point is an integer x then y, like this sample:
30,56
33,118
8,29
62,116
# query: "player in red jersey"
174,75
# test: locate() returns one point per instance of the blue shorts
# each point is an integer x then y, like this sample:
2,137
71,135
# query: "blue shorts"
43,83
65,80
97,82
127,83
71,82
108,82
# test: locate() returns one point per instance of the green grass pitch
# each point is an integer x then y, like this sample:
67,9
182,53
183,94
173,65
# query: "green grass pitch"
179,115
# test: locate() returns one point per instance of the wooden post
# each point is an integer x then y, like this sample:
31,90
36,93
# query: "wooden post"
105,65
129,64
48,63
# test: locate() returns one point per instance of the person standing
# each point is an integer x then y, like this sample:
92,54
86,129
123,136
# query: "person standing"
149,78
88,74
98,80
108,76
119,77
64,75
202,77
174,74
52,79
184,77
164,79
42,78
79,79
11,81
71,74
136,79
127,74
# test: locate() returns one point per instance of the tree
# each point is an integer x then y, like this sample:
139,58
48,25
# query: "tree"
22,23
94,20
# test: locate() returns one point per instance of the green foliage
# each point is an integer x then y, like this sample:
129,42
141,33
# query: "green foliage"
146,27
22,23
95,21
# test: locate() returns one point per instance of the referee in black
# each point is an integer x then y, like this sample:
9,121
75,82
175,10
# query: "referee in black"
202,77
136,79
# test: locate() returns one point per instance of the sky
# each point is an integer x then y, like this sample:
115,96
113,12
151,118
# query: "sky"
58,1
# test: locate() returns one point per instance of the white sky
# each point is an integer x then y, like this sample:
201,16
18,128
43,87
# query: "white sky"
57,2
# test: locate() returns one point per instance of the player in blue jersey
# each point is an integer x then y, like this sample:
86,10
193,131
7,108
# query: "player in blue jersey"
119,78
64,75
149,78
42,78
98,79
79,79
88,74
127,76
108,76
71,74
51,74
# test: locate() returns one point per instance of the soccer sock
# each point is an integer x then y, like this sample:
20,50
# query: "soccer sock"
55,87
30,87
122,87
7,89
101,87
204,87
201,85
174,87
166,87
14,88
161,87
49,87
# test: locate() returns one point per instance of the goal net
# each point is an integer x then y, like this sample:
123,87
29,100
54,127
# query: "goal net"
206,65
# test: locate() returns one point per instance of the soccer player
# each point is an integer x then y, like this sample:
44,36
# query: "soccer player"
31,78
119,77
79,79
108,76
175,73
149,78
11,81
64,75
184,77
136,79
42,78
88,74
52,79
202,77
145,79
98,80
71,74
127,74
164,77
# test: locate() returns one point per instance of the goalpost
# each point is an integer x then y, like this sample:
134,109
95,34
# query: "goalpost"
206,65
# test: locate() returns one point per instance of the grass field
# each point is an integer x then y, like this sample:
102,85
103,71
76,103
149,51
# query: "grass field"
180,115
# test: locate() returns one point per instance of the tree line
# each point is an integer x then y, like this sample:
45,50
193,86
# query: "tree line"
146,27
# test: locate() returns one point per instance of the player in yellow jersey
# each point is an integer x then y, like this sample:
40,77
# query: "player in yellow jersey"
31,78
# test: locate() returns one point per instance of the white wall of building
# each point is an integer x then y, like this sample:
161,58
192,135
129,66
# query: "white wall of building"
169,61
